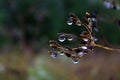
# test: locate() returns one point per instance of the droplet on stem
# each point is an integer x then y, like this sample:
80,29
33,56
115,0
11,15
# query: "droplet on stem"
75,61
80,54
53,55
84,47
61,53
61,38
70,38
95,39
69,22
78,23
85,39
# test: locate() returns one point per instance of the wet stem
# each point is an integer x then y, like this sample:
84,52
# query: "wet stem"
107,48
98,45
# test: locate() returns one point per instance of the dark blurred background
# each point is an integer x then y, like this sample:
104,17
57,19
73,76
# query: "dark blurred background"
26,26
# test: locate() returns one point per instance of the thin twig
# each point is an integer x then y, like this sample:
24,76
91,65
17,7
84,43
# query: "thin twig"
107,48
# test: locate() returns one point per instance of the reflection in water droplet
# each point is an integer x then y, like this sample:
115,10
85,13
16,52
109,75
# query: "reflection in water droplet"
95,39
84,47
80,54
70,38
69,22
85,39
53,55
79,24
61,38
75,61
62,53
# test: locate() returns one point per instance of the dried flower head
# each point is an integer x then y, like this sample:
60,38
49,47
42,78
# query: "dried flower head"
87,39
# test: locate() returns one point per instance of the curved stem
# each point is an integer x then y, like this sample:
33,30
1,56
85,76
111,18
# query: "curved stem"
90,32
107,48
86,28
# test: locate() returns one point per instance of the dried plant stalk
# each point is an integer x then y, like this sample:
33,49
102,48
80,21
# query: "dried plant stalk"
87,39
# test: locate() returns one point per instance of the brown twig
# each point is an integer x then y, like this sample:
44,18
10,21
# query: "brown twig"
107,48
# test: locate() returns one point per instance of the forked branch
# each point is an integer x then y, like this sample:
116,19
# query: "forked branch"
87,39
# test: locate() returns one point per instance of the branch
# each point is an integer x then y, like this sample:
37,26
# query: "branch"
107,48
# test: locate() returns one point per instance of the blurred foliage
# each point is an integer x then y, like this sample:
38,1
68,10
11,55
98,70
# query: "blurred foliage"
44,18
34,22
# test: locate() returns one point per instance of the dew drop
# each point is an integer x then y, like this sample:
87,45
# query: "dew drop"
61,38
85,39
69,22
96,29
93,19
53,55
95,39
80,54
70,38
78,23
75,61
84,47
62,53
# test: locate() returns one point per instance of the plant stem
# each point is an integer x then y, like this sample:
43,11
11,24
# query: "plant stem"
107,48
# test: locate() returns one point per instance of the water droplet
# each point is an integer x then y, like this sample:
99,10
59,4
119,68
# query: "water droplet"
84,47
96,29
93,19
75,61
78,23
95,39
53,55
62,53
80,54
85,39
61,38
70,38
69,22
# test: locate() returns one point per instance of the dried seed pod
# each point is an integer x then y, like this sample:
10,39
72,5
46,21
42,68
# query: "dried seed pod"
84,34
88,15
53,46
62,53
87,38
90,47
73,19
72,15
67,54
78,50
78,23
52,42
67,47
